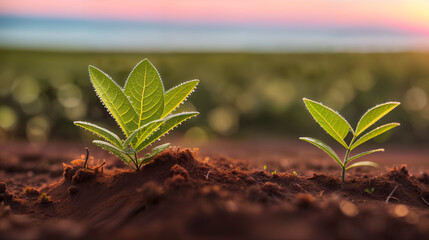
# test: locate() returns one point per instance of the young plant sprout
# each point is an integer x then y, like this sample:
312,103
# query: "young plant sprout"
336,126
369,190
142,110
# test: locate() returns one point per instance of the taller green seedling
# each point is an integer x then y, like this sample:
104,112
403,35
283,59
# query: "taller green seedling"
336,126
142,109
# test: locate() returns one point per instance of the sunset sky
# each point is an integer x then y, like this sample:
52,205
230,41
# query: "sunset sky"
408,16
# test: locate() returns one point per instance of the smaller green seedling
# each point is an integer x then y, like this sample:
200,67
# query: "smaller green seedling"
295,173
31,191
336,126
369,191
142,109
272,173
45,199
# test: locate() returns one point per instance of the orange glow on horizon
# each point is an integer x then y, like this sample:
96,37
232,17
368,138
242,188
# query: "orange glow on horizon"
410,15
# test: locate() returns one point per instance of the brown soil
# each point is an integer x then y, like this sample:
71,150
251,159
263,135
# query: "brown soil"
185,194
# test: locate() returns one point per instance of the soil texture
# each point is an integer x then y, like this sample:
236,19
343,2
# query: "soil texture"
216,192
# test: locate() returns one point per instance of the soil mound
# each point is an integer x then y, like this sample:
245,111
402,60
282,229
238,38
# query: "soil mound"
182,196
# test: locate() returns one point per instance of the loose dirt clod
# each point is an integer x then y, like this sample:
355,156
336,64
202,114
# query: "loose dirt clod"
176,182
77,173
70,170
83,175
179,170
400,174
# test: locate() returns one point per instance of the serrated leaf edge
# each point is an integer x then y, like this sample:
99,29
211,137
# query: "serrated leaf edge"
342,142
363,154
105,129
376,106
159,138
328,149
185,99
357,143
123,129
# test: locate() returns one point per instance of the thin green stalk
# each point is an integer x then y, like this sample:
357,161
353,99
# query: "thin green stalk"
132,160
137,161
346,158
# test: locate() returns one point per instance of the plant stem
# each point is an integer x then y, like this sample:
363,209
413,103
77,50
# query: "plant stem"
132,160
346,158
137,161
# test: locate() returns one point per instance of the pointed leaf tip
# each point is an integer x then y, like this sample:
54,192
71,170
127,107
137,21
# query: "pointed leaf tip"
146,92
177,95
324,147
374,133
331,121
112,149
114,100
100,131
373,115
364,164
170,122
363,154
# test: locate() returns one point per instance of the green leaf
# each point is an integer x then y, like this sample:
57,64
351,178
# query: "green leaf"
176,95
363,163
324,147
374,133
373,115
114,100
144,131
100,131
145,160
363,154
170,122
333,123
157,150
112,149
146,92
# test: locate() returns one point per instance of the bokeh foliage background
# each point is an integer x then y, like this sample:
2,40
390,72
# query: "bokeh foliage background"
240,95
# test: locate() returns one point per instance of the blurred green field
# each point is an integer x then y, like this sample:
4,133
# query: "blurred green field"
240,95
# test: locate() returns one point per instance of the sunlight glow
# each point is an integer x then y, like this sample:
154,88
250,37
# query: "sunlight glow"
412,15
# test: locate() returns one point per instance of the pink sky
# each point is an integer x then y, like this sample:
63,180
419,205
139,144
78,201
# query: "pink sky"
412,15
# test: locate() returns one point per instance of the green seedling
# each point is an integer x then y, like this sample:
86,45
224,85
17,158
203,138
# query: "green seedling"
272,173
295,173
45,199
31,191
142,109
369,191
338,128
